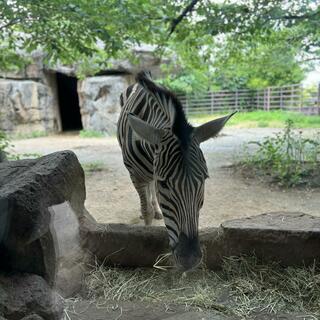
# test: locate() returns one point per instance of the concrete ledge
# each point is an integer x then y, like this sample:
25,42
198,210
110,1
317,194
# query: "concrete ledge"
291,238
124,245
284,237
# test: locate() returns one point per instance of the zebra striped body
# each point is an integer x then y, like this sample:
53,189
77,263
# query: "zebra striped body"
163,156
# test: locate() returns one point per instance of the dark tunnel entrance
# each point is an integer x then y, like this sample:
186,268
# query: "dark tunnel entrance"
68,102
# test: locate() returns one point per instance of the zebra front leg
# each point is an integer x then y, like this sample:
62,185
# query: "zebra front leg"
144,193
154,201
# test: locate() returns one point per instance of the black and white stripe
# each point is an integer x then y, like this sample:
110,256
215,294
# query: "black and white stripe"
164,149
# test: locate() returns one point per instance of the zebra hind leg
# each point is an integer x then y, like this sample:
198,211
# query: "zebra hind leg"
154,201
147,211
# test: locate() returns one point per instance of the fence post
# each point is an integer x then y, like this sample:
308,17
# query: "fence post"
281,98
318,102
236,96
212,102
268,99
301,98
187,104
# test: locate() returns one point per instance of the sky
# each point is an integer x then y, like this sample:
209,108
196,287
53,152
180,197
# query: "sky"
313,77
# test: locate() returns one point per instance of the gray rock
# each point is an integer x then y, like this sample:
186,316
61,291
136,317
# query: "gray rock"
145,59
99,102
26,106
30,232
32,317
32,71
3,156
25,294
13,74
291,238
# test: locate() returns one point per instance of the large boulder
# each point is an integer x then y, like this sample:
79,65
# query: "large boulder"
100,103
40,203
26,106
33,71
29,297
145,59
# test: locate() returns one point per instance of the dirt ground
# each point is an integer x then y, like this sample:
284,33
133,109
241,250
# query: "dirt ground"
112,198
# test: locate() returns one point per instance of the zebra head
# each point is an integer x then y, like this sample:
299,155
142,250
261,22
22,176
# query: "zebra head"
180,172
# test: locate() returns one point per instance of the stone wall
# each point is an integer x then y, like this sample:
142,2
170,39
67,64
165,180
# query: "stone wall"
29,97
99,101
26,106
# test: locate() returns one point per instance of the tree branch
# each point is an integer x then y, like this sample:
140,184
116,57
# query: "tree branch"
10,23
309,59
187,10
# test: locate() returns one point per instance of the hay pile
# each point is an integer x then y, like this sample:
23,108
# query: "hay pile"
242,288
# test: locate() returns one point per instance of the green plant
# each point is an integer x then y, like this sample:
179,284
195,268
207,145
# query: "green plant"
261,118
29,135
4,144
90,167
4,141
20,156
91,134
288,157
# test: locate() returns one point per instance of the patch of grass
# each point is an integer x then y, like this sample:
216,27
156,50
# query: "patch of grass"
20,156
91,134
247,286
288,158
29,135
262,119
90,167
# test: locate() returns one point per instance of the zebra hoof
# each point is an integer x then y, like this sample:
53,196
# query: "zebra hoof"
158,215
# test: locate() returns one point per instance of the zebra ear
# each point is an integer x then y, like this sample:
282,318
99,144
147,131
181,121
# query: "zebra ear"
144,130
211,128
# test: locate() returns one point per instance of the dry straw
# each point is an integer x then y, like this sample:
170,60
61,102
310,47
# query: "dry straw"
243,287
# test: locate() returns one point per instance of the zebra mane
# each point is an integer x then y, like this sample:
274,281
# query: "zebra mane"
181,127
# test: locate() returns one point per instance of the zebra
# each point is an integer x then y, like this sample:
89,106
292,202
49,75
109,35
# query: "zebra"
161,151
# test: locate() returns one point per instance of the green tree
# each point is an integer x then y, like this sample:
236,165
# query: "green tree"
258,63
193,29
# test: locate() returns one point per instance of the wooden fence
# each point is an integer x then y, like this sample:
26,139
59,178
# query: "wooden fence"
290,98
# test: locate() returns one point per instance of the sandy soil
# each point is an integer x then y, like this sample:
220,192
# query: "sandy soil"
112,198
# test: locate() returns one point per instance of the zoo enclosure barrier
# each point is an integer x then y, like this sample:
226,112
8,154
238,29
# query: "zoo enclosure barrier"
292,97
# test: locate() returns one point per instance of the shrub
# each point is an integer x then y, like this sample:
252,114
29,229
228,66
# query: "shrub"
288,158
4,143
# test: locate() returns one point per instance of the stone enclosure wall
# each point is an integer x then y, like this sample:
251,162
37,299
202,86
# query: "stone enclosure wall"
48,240
30,101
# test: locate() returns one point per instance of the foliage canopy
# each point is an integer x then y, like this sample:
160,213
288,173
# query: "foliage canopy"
200,33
